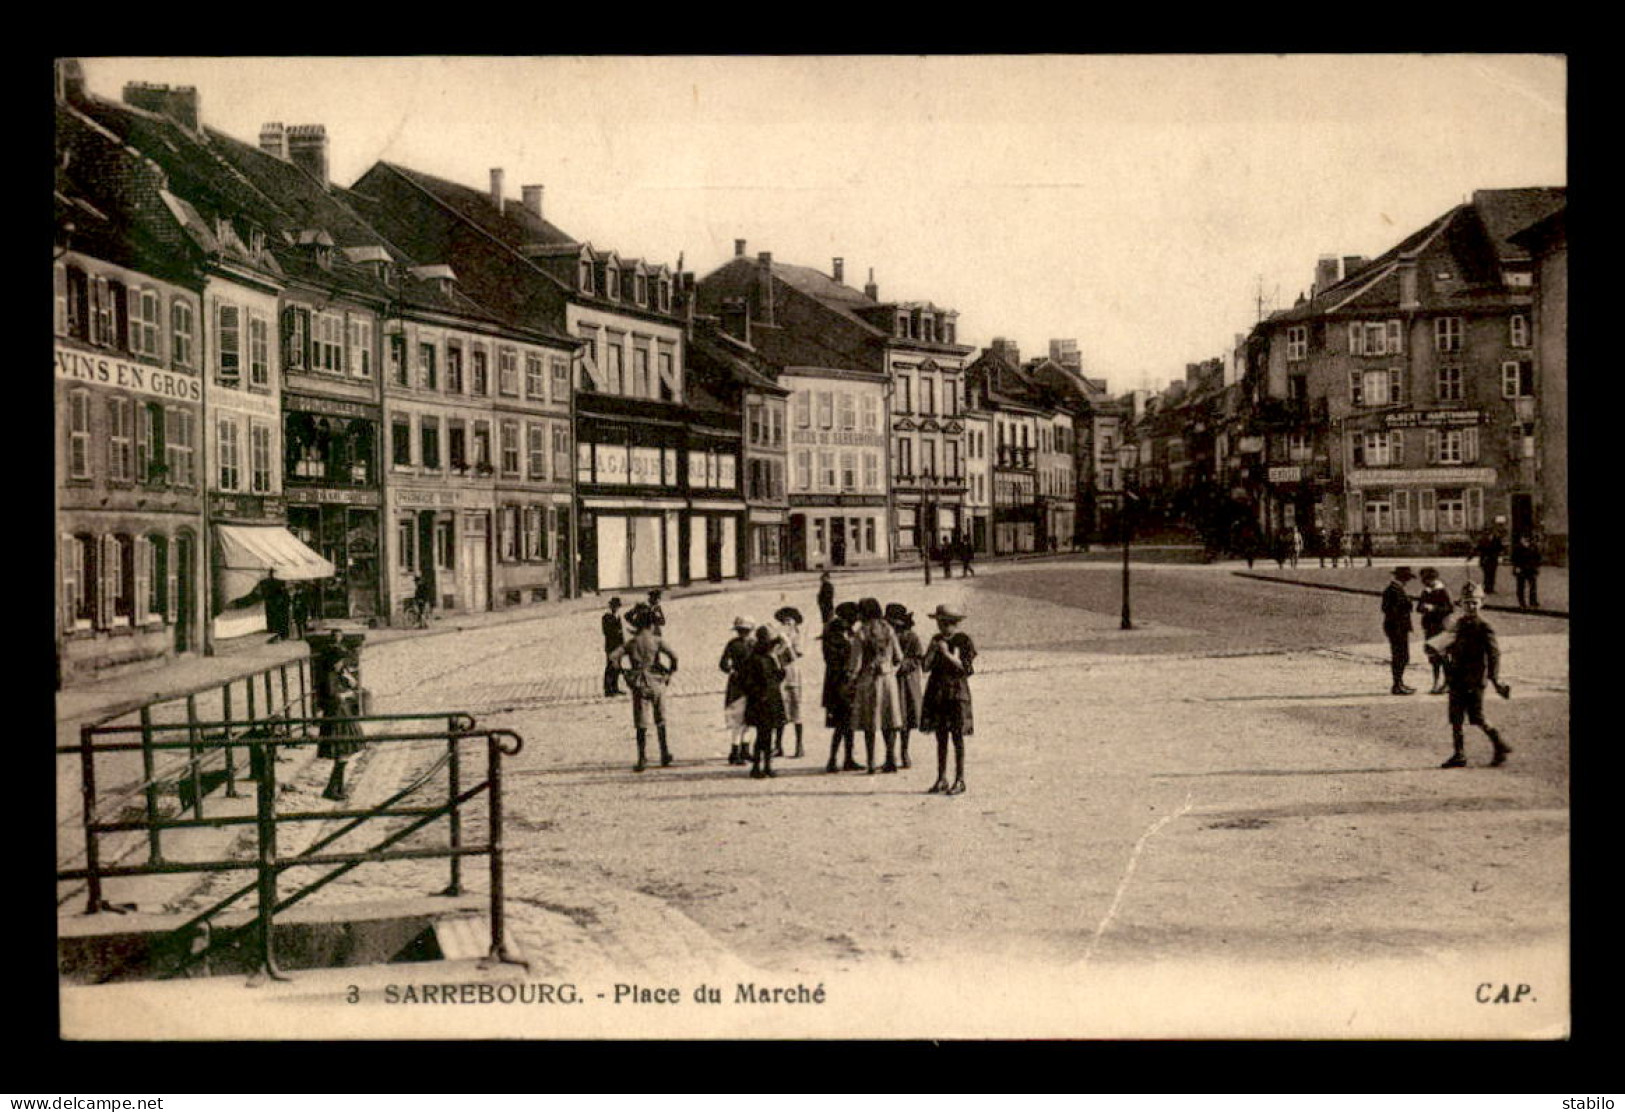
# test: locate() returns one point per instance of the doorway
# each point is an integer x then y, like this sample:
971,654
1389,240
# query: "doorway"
185,603
837,542
1523,515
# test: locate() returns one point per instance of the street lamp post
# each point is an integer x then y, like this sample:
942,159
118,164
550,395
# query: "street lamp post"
1127,456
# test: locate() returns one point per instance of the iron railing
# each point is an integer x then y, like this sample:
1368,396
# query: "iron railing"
263,738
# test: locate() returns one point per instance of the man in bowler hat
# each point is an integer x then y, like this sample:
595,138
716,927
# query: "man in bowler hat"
614,638
1396,625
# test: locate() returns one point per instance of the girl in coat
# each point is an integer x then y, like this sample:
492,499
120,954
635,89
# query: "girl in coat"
950,660
871,668
735,653
910,674
1435,606
837,699
790,652
761,676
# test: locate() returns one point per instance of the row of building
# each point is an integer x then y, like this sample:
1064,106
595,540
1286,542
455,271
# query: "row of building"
1419,397
407,380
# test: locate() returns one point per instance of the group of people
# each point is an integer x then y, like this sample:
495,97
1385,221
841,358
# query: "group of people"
288,605
1462,650
879,678
946,552
1525,561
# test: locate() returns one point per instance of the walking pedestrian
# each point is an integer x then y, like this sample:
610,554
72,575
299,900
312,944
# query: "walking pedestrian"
872,663
1396,625
1526,571
646,678
734,653
1434,604
910,675
1488,550
1281,549
946,709
967,553
1472,658
1334,547
277,612
789,620
336,666
837,700
826,598
614,638
657,616
945,553
423,600
1295,545
761,678
1367,547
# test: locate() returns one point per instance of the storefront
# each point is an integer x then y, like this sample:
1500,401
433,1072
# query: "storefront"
836,531
445,536
247,552
768,541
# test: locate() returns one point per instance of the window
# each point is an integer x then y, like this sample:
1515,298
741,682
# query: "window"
120,439
826,470
561,455
508,372
149,442
180,327
584,278
479,373
667,375
1451,511
145,326
871,413
429,442
640,371
1297,343
1378,449
59,280
775,425
457,445
1449,384
612,283
561,378
119,580
803,408
1298,446
1449,446
928,457
928,396
804,470
613,369
406,547
259,352
849,411
80,580
508,533
1447,334
482,445
826,409
228,344
1524,440
905,457
535,378
536,449
228,454
1519,337
329,347
905,394
871,471
1517,380
1452,445
180,446
358,332
950,397
152,566
78,303
398,374
509,431
110,311
849,471
951,458
640,289
400,440
753,423
454,367
428,377
259,457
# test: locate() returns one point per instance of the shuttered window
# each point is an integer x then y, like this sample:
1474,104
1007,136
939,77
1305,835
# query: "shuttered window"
1426,501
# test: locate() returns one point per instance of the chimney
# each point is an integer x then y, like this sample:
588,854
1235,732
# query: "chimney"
1325,274
1407,284
1352,263
496,188
533,199
307,149
838,270
870,290
274,141
764,287
736,318
739,248
179,103
1006,350
70,80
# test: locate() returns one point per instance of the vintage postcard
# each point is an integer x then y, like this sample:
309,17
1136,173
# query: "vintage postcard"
1058,546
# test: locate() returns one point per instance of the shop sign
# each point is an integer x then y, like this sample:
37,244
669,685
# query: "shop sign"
426,499
102,370
1286,474
1434,419
1252,444
831,438
814,500
300,403
249,507
306,496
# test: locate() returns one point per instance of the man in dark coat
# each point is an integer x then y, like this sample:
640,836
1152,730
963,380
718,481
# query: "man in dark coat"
1396,625
1489,549
1526,571
1472,658
278,609
826,598
614,638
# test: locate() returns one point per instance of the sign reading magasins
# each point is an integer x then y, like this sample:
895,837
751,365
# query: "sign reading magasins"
85,367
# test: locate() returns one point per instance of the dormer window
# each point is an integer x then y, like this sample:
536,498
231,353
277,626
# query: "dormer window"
928,328
903,325
640,287
612,283
586,276
665,295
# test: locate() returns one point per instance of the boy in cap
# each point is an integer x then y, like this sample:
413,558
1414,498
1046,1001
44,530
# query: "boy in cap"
647,679
950,658
1472,657
1435,606
1396,626
734,654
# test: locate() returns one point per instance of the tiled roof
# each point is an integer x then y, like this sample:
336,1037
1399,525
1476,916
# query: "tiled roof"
515,225
1506,212
713,349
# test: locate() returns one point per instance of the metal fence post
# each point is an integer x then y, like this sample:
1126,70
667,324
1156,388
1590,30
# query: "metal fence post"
453,790
155,851
231,758
87,776
493,775
196,770
265,820
304,697
287,705
270,699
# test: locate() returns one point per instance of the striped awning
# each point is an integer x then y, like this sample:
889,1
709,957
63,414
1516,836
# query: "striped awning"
248,553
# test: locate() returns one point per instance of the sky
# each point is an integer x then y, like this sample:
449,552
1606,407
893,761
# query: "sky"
1138,204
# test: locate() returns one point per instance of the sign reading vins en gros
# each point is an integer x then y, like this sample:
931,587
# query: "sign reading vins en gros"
106,371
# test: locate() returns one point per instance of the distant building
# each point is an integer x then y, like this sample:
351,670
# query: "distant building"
1547,241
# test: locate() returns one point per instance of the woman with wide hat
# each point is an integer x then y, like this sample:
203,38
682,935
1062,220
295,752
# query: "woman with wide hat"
734,654
950,660
761,677
790,653
837,700
910,675
872,664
